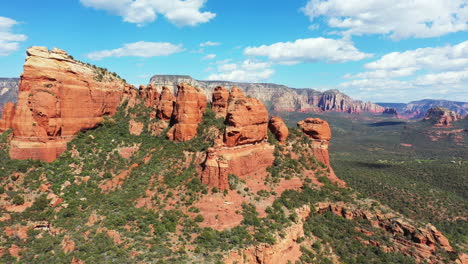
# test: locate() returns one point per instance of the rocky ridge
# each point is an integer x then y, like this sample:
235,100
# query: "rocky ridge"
278,97
418,109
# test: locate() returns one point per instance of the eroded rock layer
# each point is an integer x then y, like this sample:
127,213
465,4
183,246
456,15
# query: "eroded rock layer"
243,150
220,101
247,120
58,97
188,112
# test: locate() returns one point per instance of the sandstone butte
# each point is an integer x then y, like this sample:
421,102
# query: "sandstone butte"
279,129
58,97
243,151
441,117
188,112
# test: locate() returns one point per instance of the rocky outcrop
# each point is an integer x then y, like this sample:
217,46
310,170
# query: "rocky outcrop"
220,101
247,120
188,112
149,95
58,97
166,104
278,128
243,150
441,117
390,111
418,242
243,161
285,250
7,117
279,97
319,132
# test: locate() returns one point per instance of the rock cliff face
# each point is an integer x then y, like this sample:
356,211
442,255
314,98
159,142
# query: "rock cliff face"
8,91
220,101
279,129
188,112
166,104
7,117
278,97
243,150
58,97
441,117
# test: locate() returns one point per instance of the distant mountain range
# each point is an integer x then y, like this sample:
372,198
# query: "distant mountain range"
8,91
279,97
417,109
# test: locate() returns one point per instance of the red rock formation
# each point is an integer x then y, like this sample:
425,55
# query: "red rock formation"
247,120
240,161
421,242
319,132
220,101
149,95
441,117
166,104
188,112
58,97
7,117
243,150
278,128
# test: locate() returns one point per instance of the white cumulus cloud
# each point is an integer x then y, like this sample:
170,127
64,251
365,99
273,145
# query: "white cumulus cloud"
309,50
209,57
209,44
138,49
9,42
431,72
246,71
399,19
178,12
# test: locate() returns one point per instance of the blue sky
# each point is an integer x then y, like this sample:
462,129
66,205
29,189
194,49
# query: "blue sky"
391,51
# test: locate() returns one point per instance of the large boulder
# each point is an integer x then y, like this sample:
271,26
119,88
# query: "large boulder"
58,97
278,128
188,112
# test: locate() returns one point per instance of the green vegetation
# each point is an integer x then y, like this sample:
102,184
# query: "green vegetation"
425,180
